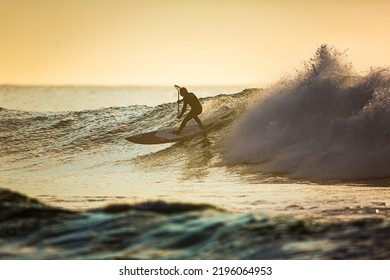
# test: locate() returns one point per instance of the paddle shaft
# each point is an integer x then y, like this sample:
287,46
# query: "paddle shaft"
178,105
178,98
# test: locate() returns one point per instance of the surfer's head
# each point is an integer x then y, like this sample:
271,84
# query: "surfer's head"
183,91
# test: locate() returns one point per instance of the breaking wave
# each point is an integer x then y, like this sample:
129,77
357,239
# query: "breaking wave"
324,123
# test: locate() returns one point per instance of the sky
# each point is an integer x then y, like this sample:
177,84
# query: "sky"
197,42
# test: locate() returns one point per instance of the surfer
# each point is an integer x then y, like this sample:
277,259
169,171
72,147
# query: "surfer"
196,109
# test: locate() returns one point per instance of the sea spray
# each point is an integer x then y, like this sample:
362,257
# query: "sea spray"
324,123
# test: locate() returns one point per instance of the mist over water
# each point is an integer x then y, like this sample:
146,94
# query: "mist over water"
324,123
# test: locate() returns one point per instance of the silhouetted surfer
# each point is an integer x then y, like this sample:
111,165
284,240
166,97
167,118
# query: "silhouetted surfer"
196,109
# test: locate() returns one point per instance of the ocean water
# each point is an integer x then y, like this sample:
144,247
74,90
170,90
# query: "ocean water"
299,170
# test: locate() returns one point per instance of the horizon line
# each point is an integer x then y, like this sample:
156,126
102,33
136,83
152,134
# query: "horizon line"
118,85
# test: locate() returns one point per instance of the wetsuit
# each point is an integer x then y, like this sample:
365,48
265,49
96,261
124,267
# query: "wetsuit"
196,109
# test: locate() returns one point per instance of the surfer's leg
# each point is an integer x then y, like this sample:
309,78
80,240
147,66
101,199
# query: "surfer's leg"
199,122
184,122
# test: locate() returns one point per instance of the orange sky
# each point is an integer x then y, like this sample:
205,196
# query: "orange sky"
182,41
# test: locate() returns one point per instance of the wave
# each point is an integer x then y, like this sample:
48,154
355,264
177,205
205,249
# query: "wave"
30,229
326,122
32,139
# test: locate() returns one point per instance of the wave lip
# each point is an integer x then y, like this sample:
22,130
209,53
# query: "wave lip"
324,123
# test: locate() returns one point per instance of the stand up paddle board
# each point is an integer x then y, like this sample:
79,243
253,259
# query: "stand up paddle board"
167,136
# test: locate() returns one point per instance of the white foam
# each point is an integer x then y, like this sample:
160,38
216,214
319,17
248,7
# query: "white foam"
324,123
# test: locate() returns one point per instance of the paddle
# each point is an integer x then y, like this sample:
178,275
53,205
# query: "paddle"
178,97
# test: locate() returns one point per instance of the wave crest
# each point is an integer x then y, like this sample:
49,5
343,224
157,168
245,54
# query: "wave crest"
324,123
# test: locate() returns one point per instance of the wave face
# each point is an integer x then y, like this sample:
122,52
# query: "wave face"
324,123
42,140
161,230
